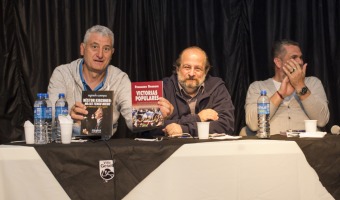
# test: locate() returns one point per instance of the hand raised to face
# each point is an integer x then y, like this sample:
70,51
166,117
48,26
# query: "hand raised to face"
295,73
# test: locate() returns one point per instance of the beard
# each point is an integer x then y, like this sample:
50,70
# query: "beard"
190,85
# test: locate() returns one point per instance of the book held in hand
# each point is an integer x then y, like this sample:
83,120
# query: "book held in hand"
98,121
146,113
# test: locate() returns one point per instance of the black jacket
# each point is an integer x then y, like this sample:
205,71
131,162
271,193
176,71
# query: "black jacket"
215,96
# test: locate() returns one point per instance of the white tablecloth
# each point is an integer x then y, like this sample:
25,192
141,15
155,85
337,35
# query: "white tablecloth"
246,169
23,175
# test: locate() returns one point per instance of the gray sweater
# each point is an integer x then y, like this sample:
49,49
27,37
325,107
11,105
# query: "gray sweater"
290,114
66,79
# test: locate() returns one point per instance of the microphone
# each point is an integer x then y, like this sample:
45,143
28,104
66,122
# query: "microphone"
335,130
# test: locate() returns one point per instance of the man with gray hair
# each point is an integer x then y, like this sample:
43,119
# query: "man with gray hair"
93,72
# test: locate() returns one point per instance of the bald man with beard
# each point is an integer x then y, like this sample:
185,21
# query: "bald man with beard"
196,96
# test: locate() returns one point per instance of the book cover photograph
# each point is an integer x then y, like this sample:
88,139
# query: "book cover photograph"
98,121
146,113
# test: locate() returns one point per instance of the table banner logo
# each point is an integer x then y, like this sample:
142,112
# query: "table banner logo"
106,169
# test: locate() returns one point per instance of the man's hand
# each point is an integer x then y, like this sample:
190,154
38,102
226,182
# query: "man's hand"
78,111
166,107
208,114
286,88
173,130
295,73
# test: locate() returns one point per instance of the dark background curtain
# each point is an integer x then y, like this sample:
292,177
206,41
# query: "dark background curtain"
38,35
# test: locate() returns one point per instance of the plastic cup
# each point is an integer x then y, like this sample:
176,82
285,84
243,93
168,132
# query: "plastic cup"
29,134
203,130
66,132
310,125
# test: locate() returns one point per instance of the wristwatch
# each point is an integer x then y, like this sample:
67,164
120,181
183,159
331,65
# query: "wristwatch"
303,91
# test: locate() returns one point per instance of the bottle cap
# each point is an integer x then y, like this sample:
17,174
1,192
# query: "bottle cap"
40,95
263,92
61,95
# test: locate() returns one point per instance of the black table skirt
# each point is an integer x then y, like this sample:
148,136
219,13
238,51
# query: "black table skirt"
76,166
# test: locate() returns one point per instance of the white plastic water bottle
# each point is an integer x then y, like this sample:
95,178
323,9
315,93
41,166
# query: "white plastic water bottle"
263,111
61,108
48,118
39,120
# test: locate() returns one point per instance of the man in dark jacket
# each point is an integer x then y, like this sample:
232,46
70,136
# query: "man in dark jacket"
196,96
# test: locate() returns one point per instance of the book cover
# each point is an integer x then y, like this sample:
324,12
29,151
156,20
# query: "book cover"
146,113
98,121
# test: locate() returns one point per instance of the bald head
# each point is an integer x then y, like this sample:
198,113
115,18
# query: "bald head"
195,53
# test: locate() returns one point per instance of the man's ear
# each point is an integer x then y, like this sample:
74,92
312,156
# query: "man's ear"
278,62
82,49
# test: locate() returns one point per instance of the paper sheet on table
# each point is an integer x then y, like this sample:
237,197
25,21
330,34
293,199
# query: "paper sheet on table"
149,140
313,134
223,136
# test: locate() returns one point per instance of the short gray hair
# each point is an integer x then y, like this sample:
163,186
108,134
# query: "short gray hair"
102,30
